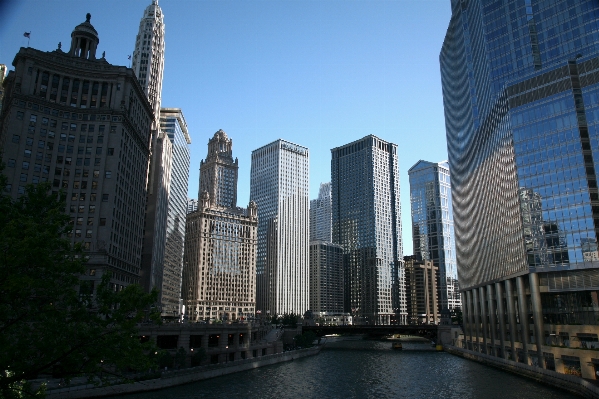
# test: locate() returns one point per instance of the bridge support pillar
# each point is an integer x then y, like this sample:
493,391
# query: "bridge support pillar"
537,315
469,312
523,316
483,313
476,307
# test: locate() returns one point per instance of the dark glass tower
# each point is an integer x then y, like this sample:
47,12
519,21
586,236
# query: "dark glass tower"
520,86
367,224
432,226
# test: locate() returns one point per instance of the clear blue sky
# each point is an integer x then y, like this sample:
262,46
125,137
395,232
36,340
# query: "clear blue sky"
317,73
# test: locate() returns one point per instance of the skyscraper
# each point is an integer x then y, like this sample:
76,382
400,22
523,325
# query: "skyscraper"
326,277
432,225
320,215
218,172
174,128
520,85
279,185
148,56
83,124
219,274
367,224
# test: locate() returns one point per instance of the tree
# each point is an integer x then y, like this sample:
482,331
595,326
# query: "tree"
305,340
199,355
290,319
48,322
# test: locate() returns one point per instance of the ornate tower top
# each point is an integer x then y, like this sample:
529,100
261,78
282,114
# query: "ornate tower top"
218,172
84,40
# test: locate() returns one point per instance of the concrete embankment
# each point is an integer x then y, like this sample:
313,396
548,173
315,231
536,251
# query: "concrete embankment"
568,382
179,377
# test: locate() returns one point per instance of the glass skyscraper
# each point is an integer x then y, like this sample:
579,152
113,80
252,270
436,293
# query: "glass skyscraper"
173,125
366,220
521,88
320,214
279,185
432,225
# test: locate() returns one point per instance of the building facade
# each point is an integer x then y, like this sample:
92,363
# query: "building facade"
320,215
432,225
219,273
148,56
174,128
326,277
73,119
192,205
520,93
280,187
366,220
421,290
3,72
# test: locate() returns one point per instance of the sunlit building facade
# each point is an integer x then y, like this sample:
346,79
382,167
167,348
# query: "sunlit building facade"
432,225
219,273
326,277
280,187
521,89
366,217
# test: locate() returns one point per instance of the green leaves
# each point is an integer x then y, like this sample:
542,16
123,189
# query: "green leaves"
46,326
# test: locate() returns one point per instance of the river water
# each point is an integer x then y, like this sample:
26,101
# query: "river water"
366,369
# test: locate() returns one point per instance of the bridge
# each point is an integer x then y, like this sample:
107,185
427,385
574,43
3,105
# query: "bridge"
425,331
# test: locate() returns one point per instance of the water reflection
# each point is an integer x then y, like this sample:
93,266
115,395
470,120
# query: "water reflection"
366,369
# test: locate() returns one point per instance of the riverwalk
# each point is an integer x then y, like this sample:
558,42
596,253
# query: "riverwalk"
178,377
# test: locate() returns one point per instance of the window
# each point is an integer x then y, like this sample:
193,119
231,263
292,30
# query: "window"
100,139
86,162
21,190
59,159
67,172
111,151
51,134
29,141
35,179
69,149
112,129
81,208
92,209
20,115
82,197
79,220
101,128
75,197
44,121
92,197
73,209
27,154
52,123
65,125
102,221
90,139
94,185
82,139
98,150
76,184
108,174
23,177
25,165
88,234
90,221
97,161
39,155
92,128
46,169
85,172
71,138
33,118
61,148
11,163
96,174
88,150
77,233
58,171
43,132
79,161
84,127
16,138
49,146
65,184
84,184
104,197
68,160
92,272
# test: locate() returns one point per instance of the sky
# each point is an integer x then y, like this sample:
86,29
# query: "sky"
319,73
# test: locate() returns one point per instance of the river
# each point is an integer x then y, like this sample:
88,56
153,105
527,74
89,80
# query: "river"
366,369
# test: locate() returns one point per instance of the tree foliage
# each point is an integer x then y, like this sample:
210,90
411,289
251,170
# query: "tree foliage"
46,325
305,340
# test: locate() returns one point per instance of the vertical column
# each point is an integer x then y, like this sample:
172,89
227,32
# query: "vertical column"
483,312
511,315
523,312
476,308
470,318
537,315
492,318
501,317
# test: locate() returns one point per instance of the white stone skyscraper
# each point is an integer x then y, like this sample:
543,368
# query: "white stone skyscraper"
148,56
279,186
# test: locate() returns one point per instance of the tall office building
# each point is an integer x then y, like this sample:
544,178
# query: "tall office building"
219,274
367,224
148,56
520,85
83,124
192,205
174,128
218,172
421,290
3,71
326,277
432,226
320,215
279,186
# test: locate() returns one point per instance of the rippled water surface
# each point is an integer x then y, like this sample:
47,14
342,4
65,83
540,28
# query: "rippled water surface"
366,369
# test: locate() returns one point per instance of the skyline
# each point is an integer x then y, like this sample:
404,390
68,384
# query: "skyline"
319,74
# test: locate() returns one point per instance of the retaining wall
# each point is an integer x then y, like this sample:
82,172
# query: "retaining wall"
568,382
179,377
